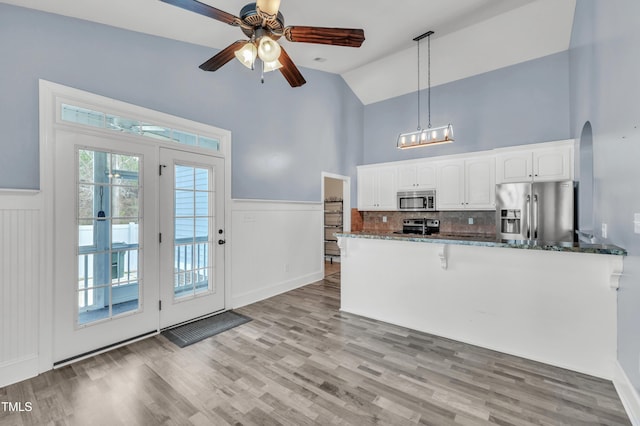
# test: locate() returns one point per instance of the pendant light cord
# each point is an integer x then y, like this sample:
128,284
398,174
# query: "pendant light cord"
419,127
429,79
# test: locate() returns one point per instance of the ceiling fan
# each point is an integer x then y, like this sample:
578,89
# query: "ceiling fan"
264,25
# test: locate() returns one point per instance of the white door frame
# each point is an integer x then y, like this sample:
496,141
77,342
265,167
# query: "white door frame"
52,95
346,202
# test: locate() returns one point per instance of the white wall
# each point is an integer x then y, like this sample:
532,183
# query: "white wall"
275,247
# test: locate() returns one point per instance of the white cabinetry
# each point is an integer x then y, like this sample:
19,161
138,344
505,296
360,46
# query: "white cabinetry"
377,188
466,184
545,162
417,176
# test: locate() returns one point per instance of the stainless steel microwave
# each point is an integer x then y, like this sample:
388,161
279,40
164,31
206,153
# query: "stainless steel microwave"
417,200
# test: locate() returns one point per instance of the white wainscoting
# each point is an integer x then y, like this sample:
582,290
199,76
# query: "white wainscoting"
21,260
275,247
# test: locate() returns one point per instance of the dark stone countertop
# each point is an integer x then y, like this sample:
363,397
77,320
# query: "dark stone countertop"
490,241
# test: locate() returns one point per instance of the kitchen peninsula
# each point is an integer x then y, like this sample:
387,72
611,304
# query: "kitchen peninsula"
553,303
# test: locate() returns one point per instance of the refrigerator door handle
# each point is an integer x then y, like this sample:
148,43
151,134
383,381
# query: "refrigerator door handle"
528,209
536,216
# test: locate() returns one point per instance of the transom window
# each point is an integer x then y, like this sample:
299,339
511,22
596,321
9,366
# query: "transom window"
103,120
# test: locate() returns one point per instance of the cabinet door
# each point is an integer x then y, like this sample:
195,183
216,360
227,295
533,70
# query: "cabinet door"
407,178
377,188
553,164
480,186
450,193
387,189
367,188
514,167
426,176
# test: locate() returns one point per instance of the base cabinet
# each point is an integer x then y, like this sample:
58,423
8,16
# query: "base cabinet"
562,314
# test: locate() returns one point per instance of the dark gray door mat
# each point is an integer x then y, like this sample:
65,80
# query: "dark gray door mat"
193,332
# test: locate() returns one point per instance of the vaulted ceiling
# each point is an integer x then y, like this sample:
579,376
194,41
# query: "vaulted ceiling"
471,36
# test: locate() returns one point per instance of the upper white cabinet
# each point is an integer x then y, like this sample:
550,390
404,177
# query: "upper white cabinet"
377,188
538,163
466,184
417,176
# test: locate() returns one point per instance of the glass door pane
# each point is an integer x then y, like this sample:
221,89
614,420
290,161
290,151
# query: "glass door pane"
109,196
192,230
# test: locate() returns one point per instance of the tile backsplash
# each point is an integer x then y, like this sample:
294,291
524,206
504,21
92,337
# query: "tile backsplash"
451,222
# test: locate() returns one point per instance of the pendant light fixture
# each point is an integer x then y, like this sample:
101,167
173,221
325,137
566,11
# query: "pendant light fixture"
431,135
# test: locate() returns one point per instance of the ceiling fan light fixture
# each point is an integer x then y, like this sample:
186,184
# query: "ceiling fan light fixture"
268,49
247,55
272,66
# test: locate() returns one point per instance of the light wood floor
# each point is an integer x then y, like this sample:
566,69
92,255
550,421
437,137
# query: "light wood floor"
301,362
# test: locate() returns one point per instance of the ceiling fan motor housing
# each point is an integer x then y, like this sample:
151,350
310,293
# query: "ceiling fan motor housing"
249,15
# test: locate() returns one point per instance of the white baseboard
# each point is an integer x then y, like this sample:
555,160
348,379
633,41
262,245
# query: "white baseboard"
16,371
250,297
628,394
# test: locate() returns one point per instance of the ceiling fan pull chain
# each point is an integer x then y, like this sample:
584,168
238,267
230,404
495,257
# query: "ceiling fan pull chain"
262,73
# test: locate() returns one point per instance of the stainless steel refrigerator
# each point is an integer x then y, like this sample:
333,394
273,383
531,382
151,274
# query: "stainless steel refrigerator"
539,211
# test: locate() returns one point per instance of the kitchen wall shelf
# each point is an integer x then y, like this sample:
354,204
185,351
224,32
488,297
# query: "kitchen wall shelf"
333,214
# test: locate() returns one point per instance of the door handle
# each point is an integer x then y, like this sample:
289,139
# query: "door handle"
537,216
221,242
528,217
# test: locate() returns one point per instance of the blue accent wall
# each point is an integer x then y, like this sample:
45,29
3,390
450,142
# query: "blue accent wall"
283,138
520,104
605,91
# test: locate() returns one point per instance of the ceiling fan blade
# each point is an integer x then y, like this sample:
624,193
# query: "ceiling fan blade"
290,71
349,37
224,56
269,8
206,10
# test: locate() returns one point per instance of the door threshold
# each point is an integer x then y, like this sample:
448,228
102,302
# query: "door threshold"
194,319
103,349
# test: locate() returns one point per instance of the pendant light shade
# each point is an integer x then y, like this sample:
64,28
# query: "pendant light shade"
431,135
272,66
247,55
268,49
425,137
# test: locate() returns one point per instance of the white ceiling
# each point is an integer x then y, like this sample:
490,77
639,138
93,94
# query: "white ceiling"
517,26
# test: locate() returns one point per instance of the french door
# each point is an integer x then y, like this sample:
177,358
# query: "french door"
192,236
105,281
135,250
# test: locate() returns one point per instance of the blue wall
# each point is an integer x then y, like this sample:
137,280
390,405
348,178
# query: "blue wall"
515,105
605,90
283,138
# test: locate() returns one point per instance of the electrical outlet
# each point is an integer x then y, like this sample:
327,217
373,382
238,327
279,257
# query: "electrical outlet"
636,223
603,233
384,219
470,221
286,267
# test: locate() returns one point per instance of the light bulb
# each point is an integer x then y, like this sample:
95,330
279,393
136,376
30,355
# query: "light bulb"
247,54
272,66
434,134
268,50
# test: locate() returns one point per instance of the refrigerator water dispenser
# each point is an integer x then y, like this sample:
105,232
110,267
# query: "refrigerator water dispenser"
510,221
